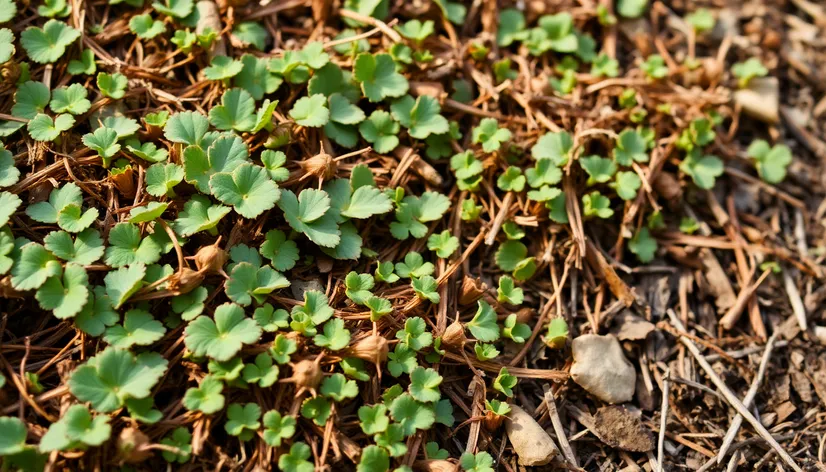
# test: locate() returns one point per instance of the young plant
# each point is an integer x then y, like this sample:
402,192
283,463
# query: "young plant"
771,162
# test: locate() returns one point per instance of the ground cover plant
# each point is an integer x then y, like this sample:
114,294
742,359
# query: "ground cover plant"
378,235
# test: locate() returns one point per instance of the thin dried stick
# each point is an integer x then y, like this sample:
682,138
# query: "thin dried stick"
389,32
749,398
730,397
663,420
558,429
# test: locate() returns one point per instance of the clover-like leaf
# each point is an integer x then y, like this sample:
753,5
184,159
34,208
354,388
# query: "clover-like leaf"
127,247
283,253
504,382
34,266
123,283
262,372
626,185
71,99
444,244
631,147
745,71
236,111
358,286
112,85
104,141
181,441
296,459
43,128
311,111
270,319
378,307
424,385
415,335
77,428
308,214
49,43
247,282
373,419
703,169
145,27
421,116
401,360
139,329
411,414
479,462
277,428
514,330
161,179
339,388
207,397
223,337
367,201
6,45
248,189
643,245
655,67
65,294
84,65
483,325
553,146
115,375
187,127
378,77
174,8
426,288
414,266
508,292
242,420
490,135
771,162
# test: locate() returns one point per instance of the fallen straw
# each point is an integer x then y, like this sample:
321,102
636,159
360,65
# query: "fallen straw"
729,395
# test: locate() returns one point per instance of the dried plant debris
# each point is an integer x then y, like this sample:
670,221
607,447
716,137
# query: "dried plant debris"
379,235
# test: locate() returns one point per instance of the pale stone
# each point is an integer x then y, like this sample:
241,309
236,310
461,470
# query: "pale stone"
600,367
532,444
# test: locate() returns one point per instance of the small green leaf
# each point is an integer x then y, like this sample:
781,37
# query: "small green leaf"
71,99
123,283
145,27
277,428
248,189
508,292
420,116
48,44
595,204
378,77
65,295
43,128
643,245
490,135
483,326
115,375
242,420
426,288
236,111
745,71
311,111
599,169
33,267
112,85
703,170
771,162
504,382
223,337
207,397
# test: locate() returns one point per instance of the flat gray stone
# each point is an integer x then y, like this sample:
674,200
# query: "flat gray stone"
600,367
